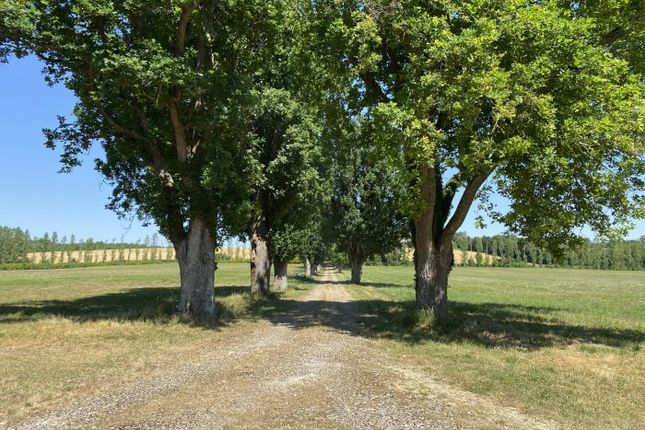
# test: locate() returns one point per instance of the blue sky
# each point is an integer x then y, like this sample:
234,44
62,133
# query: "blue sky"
34,196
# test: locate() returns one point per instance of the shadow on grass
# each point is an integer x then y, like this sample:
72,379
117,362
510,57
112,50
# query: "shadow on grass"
491,325
488,324
137,304
319,281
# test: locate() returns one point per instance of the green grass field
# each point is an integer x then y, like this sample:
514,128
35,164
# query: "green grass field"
565,344
561,344
66,333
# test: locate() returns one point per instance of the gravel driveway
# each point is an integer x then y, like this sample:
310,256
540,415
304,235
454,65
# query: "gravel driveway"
303,369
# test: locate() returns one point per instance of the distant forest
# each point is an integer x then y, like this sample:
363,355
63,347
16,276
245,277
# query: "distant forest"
513,251
16,243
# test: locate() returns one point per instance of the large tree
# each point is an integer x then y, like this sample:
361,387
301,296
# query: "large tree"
527,99
287,241
366,215
291,236
288,155
316,245
164,88
285,157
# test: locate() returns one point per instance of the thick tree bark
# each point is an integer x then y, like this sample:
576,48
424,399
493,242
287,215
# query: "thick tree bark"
357,268
432,236
356,258
196,257
280,275
307,267
430,288
432,259
432,271
260,262
433,241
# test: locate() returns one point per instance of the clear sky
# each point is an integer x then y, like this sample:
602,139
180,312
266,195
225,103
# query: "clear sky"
34,196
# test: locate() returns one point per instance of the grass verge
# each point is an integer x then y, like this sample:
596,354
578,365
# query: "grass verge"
68,333
561,344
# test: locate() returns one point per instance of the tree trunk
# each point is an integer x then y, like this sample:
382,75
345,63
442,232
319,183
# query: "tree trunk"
355,256
432,267
307,267
260,262
196,257
357,269
280,275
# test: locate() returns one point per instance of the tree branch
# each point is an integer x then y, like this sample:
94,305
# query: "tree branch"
428,189
179,130
156,158
464,205
621,31
186,11
175,118
116,127
372,85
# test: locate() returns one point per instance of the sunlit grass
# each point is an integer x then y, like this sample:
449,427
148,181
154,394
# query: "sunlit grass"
562,344
68,333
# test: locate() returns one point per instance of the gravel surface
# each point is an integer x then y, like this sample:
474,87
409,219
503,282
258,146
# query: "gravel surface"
303,369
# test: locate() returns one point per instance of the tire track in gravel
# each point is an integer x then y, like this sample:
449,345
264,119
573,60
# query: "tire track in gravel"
302,369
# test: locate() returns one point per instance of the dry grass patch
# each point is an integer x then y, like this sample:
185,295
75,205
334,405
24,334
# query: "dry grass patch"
71,333
561,344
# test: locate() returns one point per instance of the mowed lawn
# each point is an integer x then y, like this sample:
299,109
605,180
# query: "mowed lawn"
560,344
68,333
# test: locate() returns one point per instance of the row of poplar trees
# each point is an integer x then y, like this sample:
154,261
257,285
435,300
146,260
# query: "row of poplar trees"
222,118
16,244
513,251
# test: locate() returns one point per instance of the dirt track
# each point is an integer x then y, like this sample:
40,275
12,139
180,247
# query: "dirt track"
304,369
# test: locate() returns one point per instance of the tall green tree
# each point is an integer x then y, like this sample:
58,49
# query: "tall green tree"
14,245
298,231
365,217
527,99
163,88
287,242
286,155
316,244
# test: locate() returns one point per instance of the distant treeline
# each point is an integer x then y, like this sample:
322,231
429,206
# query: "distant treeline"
513,251
16,244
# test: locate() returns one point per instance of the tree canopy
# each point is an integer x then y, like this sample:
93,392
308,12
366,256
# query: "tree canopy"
365,216
208,111
525,99
166,90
